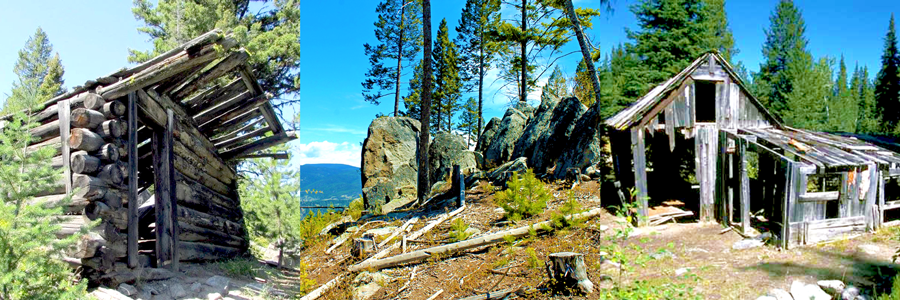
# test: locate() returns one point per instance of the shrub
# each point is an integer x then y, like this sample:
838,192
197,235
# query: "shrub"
524,197
458,230
28,245
895,291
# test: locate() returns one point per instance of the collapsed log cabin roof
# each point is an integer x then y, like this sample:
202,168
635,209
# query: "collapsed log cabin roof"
190,78
708,67
827,152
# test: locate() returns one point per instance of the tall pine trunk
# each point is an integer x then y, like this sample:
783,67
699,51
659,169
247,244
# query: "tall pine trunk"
480,81
399,60
424,176
523,90
585,51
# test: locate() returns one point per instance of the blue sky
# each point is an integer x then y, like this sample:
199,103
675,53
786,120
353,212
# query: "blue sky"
93,39
334,118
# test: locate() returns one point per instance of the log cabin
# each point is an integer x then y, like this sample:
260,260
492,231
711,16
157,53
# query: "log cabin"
148,154
703,139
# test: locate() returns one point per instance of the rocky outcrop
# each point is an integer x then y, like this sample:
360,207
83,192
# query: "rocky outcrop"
389,163
536,132
585,146
500,148
557,137
486,138
447,150
499,175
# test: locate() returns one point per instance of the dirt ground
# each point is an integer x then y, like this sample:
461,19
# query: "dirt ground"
689,258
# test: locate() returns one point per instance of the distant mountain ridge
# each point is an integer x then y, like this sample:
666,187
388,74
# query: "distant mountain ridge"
336,184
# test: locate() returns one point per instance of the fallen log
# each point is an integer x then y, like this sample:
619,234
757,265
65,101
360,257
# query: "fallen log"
402,228
315,294
443,217
501,294
490,239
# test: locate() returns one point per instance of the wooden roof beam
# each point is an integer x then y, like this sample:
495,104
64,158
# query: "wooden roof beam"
242,138
267,110
278,155
234,133
178,63
260,144
231,125
222,67
217,109
237,111
202,101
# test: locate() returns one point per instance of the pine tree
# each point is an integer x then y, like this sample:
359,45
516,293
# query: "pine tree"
536,29
29,248
413,100
556,85
424,175
468,121
271,35
399,33
785,43
673,33
869,119
844,106
477,50
807,103
582,86
574,18
887,82
39,76
447,83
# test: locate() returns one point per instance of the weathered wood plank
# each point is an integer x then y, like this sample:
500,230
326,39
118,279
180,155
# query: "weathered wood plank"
819,196
131,145
259,144
640,172
744,185
64,114
166,223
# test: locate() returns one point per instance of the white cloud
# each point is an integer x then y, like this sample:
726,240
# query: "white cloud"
326,152
331,128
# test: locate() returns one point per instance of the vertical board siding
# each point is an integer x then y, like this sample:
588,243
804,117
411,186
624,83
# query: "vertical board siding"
640,169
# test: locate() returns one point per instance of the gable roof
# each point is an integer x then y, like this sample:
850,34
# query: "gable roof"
634,114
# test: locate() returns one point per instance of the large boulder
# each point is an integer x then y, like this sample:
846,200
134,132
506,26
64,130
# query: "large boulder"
510,128
446,150
389,164
536,130
585,146
499,175
487,135
556,139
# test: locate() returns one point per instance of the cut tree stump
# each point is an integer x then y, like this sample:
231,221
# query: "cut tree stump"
568,271
363,246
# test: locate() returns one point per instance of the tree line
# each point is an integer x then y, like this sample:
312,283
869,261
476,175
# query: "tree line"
806,92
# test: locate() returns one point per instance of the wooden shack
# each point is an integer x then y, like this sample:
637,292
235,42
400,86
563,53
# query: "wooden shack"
170,129
744,167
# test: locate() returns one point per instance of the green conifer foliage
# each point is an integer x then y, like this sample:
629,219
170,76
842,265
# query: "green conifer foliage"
271,36
785,44
673,33
39,75
807,103
447,82
399,32
843,109
29,248
887,82
477,50
556,85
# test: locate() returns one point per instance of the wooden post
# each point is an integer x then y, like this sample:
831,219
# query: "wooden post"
743,184
363,246
63,113
166,221
640,172
133,202
460,186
